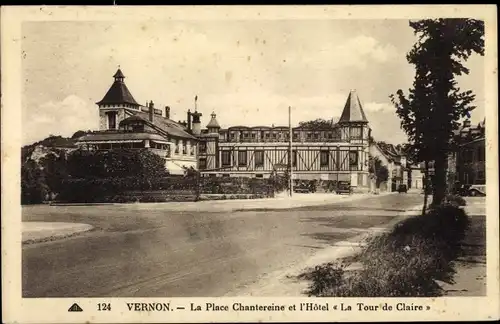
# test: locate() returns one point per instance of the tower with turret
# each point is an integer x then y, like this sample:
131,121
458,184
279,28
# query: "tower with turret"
114,103
354,130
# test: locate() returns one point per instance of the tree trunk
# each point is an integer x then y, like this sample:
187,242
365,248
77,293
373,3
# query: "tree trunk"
439,180
426,177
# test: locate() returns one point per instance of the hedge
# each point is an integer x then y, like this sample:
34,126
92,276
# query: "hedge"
109,189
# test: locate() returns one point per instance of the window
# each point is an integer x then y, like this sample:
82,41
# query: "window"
193,148
259,176
111,120
355,132
294,158
203,164
259,158
353,158
184,148
226,158
176,147
480,154
242,158
202,147
324,158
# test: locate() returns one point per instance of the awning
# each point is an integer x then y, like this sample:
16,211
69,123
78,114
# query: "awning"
162,142
174,168
110,141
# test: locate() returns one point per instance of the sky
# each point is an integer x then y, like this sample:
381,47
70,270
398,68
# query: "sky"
247,72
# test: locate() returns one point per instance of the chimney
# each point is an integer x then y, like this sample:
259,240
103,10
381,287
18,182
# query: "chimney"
167,112
189,119
151,111
196,123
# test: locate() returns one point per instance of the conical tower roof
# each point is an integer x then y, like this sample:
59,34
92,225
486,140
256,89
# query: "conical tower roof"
118,93
213,122
353,111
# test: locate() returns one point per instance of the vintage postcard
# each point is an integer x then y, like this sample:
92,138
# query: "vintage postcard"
249,164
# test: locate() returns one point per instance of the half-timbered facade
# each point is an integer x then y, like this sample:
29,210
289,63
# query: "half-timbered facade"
337,153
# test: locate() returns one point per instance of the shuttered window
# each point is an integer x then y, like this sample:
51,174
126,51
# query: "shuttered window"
259,158
226,158
242,158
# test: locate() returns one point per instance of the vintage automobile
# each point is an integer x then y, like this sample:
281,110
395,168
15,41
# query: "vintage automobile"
343,187
477,190
302,188
471,190
402,188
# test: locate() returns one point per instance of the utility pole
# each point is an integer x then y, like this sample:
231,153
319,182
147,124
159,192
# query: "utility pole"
290,166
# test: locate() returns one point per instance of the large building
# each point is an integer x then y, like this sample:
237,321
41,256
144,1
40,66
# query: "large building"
339,152
126,124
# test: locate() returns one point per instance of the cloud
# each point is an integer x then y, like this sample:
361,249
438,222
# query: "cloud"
359,52
59,118
379,107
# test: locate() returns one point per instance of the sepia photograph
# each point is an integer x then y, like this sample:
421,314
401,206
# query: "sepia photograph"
249,157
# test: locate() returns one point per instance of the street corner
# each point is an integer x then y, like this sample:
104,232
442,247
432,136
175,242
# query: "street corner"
34,232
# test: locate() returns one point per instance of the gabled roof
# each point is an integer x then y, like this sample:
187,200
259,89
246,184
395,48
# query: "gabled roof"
389,151
167,125
353,111
118,92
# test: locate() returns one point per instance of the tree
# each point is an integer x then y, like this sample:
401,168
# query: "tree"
435,104
317,124
33,187
116,163
78,134
378,171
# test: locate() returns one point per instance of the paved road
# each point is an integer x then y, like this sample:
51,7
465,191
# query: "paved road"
134,251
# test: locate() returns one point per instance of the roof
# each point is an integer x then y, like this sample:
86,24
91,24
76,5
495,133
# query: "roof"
213,123
118,92
353,111
389,151
120,136
119,74
167,125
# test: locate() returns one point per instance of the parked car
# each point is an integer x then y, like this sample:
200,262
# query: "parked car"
477,190
343,187
402,188
301,188
471,190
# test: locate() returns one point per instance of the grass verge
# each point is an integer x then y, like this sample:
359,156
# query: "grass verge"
405,262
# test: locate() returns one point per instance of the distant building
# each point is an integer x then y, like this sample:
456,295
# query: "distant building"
126,124
467,164
395,161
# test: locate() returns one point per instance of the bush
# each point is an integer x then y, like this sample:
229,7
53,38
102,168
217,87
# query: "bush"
455,200
405,262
